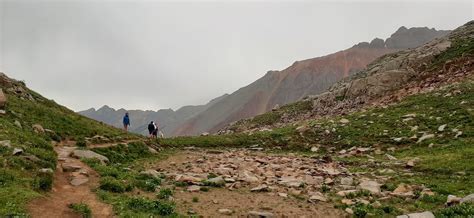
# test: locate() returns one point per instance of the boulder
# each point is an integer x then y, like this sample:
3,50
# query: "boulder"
403,190
452,199
344,121
204,134
89,155
217,181
68,167
426,214
38,128
347,181
468,199
46,170
291,182
425,137
442,127
3,100
17,151
249,177
314,149
371,186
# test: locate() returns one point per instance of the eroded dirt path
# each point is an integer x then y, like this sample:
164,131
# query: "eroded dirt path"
284,194
73,181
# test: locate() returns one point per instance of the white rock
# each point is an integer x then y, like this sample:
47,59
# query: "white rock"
317,196
260,214
424,137
314,149
193,188
347,181
390,157
442,127
468,199
6,143
344,121
225,211
426,214
17,151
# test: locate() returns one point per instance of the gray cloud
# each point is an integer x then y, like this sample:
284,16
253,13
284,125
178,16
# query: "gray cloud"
152,55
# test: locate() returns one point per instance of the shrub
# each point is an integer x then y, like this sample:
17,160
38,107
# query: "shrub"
195,199
81,142
461,210
82,209
112,185
165,193
43,182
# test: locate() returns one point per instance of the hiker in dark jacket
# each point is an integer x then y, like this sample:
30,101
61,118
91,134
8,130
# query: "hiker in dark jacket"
151,128
126,121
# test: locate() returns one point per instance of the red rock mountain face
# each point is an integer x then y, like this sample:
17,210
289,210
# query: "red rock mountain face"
303,78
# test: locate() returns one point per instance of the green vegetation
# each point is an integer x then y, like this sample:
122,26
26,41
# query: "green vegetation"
459,48
20,179
82,209
123,177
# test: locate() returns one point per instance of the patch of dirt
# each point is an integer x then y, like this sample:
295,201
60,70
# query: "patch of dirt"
239,198
56,202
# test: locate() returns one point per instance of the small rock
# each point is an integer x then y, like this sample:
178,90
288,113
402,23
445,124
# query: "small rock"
284,195
426,214
349,210
452,199
371,186
328,181
89,155
18,124
67,167
425,137
217,181
403,190
468,199
398,139
344,121
225,211
17,151
46,170
79,181
390,157
193,188
38,128
347,201
260,188
317,196
314,149
344,193
442,127
410,164
260,214
6,143
204,134
347,181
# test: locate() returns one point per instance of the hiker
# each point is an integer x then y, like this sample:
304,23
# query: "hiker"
126,122
151,129
155,132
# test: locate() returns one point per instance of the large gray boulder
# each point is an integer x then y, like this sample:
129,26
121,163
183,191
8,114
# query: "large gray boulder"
426,214
89,155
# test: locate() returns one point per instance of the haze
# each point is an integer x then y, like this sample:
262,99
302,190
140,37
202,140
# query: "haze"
153,55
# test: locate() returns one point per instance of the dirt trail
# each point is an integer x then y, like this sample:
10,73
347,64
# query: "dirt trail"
55,203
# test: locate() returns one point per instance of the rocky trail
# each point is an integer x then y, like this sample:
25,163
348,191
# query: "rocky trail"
250,183
73,184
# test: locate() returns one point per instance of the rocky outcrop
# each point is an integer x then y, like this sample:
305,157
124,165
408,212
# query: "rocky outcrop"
3,100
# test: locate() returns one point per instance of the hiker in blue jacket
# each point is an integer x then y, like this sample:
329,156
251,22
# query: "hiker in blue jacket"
126,121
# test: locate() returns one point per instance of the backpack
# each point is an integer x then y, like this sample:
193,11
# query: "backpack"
151,127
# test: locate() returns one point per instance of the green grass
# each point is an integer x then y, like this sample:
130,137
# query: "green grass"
20,180
82,209
459,48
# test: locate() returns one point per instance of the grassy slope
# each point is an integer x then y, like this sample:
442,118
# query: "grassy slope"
19,177
445,167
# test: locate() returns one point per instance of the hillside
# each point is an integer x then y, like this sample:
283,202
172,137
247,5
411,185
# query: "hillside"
386,80
303,78
30,126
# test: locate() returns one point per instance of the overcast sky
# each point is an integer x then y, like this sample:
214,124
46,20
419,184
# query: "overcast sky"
153,55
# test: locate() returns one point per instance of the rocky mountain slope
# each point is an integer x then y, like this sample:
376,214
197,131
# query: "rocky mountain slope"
30,125
303,78
386,80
